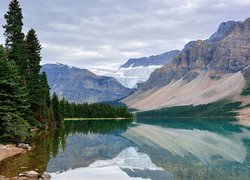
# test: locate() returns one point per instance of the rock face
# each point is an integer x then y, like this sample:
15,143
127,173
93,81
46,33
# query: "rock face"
81,85
204,67
161,59
226,51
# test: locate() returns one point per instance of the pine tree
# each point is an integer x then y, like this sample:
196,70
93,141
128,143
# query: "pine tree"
56,110
63,108
33,49
35,82
46,87
13,102
14,37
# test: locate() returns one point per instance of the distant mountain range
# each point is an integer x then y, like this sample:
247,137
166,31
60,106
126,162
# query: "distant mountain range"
157,60
204,71
138,70
81,85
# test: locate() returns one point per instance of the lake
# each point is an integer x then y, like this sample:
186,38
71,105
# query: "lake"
138,149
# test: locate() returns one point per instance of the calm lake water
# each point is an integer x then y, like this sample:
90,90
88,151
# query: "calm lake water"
139,149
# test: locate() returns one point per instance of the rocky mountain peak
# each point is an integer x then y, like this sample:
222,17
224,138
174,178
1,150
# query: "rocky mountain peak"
156,60
226,51
224,29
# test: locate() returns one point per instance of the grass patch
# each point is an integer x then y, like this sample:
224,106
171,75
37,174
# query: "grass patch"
222,108
246,89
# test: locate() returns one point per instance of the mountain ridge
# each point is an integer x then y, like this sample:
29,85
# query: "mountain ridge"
154,60
227,55
138,70
81,85
224,54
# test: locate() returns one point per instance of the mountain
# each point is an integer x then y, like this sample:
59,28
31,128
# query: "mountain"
157,60
205,71
81,85
138,70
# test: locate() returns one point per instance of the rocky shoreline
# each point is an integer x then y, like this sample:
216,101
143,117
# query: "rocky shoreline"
29,175
10,150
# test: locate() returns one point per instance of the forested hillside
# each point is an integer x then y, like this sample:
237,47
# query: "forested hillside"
25,100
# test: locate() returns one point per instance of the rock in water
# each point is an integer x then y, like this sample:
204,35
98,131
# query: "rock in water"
45,176
24,146
29,174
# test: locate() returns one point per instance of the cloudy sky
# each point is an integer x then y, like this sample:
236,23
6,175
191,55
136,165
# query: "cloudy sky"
105,33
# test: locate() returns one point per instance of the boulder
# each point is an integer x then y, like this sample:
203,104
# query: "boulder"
45,176
24,146
29,174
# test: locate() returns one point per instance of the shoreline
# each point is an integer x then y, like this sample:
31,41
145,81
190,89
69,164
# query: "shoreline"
243,117
75,119
10,150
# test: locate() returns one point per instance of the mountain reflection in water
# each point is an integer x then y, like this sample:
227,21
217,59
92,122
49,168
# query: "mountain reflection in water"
177,148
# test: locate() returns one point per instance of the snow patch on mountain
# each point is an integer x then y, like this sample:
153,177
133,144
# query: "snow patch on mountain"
130,76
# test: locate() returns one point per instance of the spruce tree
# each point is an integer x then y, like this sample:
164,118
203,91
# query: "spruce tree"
56,110
14,105
33,49
14,42
46,87
36,88
63,108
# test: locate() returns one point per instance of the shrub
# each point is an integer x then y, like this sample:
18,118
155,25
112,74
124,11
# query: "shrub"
14,128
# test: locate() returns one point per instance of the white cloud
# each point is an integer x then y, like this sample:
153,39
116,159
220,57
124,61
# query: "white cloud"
107,32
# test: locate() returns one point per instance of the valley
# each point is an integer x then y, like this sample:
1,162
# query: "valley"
104,92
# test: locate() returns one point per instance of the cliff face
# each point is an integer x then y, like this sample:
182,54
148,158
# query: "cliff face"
226,51
204,72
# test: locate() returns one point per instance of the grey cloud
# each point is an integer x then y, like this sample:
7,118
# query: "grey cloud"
105,33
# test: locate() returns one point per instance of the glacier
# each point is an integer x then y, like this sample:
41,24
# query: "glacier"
128,77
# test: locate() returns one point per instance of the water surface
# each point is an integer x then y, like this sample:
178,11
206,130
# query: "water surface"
139,149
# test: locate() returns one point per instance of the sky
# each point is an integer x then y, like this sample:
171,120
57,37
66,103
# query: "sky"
106,33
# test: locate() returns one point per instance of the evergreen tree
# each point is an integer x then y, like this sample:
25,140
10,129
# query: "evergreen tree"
63,108
14,37
46,87
33,49
13,102
56,110
36,83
